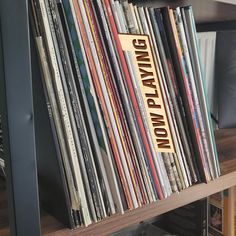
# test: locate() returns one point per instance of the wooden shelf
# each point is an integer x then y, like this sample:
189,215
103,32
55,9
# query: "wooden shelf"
4,225
205,11
226,143
226,146
118,222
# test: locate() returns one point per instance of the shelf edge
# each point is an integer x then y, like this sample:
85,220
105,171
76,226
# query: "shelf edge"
118,222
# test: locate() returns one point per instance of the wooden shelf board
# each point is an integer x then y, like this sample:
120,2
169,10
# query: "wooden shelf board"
118,222
4,228
5,231
226,144
227,154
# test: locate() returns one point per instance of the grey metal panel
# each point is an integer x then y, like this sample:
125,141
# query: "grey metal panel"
21,161
225,71
4,124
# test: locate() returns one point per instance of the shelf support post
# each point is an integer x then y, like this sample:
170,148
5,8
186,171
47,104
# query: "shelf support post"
16,106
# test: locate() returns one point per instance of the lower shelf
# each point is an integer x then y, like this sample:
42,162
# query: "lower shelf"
118,222
226,144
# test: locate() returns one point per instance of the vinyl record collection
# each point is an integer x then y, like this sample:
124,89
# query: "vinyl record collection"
126,99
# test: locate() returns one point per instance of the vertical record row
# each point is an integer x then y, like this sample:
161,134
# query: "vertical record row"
126,100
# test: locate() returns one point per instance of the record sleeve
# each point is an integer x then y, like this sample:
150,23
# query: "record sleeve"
203,101
131,91
91,184
169,82
175,50
87,88
117,108
79,194
108,115
129,112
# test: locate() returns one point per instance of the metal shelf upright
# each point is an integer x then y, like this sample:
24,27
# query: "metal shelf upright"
16,106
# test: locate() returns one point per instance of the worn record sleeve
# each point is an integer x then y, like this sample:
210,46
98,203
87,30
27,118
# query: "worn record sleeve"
91,183
145,24
200,86
131,91
168,78
57,132
118,109
108,114
88,90
129,112
192,85
92,99
79,193
175,51
173,87
97,151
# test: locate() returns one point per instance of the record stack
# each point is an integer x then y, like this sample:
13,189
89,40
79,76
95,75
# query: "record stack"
126,101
